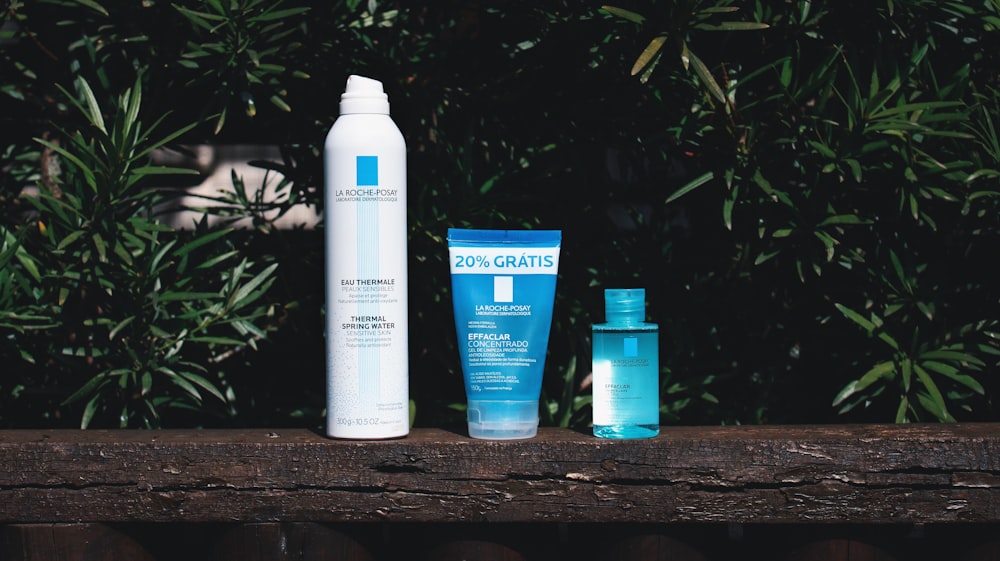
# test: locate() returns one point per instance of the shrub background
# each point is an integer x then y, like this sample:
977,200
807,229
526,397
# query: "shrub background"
807,190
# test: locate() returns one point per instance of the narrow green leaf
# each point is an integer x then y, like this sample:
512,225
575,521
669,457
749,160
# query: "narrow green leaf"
765,256
175,296
28,263
134,101
93,108
94,6
162,170
648,54
146,383
913,107
855,168
182,383
89,411
154,265
897,266
246,327
113,334
889,340
845,393
954,374
775,194
211,263
88,173
217,340
201,19
91,386
843,219
727,212
906,368
940,408
856,317
280,103
122,252
878,100
823,149
876,373
953,355
221,121
204,384
691,186
624,14
732,26
644,78
719,10
145,225
926,309
70,238
279,14
242,296
901,411
164,140
101,246
706,78
202,240
934,407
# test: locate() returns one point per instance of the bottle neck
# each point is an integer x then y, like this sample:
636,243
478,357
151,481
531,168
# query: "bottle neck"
364,107
625,319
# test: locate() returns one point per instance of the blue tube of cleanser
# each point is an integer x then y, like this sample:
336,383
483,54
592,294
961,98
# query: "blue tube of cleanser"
503,289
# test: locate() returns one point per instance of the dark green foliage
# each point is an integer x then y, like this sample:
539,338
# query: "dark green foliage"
139,313
848,169
807,190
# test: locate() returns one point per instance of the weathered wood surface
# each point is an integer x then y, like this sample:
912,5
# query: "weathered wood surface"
748,474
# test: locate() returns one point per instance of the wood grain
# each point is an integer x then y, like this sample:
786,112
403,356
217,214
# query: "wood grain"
914,474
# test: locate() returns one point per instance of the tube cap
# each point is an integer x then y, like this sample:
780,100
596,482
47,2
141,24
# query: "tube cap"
503,420
363,95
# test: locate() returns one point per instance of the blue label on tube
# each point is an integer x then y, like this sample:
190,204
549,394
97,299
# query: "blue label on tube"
503,290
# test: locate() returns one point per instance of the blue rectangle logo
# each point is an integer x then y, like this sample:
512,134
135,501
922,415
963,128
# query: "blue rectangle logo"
367,168
630,347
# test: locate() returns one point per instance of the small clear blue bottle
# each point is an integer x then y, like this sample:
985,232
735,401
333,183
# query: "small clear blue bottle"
626,368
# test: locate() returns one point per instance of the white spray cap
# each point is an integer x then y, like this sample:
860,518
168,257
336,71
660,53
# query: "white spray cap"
363,95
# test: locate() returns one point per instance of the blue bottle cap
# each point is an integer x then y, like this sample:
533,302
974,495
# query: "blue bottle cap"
625,305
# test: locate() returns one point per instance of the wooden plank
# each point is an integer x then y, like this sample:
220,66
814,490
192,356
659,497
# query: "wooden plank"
288,541
68,542
947,473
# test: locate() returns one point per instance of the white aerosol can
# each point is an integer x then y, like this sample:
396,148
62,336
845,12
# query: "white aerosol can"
367,358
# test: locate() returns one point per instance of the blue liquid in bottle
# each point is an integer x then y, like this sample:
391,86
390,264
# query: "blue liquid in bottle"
626,368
